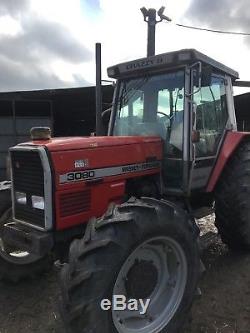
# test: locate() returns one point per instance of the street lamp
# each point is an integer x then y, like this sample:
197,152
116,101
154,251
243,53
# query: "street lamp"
150,17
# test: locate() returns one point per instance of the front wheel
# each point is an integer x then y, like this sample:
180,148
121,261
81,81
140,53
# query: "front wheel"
143,254
15,263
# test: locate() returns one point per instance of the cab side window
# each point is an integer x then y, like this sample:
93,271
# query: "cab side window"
129,114
211,116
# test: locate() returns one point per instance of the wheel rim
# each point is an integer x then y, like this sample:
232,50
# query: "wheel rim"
157,269
14,255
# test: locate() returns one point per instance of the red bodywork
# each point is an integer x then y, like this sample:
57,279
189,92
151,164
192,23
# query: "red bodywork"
231,142
79,200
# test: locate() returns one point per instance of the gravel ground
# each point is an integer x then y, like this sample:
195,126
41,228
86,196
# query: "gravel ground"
224,307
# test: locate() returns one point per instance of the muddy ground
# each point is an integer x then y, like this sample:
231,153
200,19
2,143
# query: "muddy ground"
224,306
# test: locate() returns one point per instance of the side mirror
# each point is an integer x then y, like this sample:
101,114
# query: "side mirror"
196,136
206,76
196,75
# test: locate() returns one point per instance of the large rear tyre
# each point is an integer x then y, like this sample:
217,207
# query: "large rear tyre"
17,264
232,201
143,249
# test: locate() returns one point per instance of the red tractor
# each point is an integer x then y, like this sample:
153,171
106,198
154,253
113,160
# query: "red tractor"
172,150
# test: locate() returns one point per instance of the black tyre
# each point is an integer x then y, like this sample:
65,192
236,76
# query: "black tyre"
232,200
143,249
17,264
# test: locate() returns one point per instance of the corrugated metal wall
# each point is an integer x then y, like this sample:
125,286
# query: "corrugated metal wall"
15,125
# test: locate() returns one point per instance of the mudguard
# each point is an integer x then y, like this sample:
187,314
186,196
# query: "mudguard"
230,144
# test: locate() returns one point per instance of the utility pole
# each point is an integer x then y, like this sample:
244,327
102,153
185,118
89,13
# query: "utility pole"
150,17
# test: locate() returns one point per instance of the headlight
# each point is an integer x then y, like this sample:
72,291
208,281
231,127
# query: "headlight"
21,198
37,202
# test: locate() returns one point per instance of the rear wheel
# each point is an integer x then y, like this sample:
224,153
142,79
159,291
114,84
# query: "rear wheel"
232,201
15,263
143,249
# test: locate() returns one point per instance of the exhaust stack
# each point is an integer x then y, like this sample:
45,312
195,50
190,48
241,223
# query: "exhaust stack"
98,92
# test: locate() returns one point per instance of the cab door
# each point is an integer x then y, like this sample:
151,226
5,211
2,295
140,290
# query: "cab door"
210,119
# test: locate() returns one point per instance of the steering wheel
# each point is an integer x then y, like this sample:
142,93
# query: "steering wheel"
166,119
164,114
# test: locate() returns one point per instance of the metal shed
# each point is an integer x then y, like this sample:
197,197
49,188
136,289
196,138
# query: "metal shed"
69,112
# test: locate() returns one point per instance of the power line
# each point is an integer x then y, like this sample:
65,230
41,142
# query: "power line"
213,30
166,19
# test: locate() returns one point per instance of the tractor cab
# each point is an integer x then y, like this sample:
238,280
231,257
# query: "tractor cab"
185,98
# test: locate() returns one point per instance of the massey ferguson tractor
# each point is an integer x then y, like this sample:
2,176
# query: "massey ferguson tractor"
128,201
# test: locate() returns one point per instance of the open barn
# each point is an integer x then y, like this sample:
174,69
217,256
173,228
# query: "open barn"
68,112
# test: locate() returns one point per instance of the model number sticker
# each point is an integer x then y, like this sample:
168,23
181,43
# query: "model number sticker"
72,176
75,176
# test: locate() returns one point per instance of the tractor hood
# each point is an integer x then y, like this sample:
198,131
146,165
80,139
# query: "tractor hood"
79,143
88,172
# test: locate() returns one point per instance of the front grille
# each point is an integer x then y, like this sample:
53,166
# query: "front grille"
28,178
75,203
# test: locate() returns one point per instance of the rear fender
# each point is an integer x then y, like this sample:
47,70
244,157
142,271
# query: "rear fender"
231,142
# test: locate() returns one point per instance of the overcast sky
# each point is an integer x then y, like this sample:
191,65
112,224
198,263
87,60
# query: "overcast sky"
50,43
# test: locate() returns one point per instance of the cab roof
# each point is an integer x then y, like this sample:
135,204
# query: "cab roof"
167,60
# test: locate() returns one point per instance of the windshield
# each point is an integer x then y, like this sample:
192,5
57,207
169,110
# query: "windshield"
152,105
